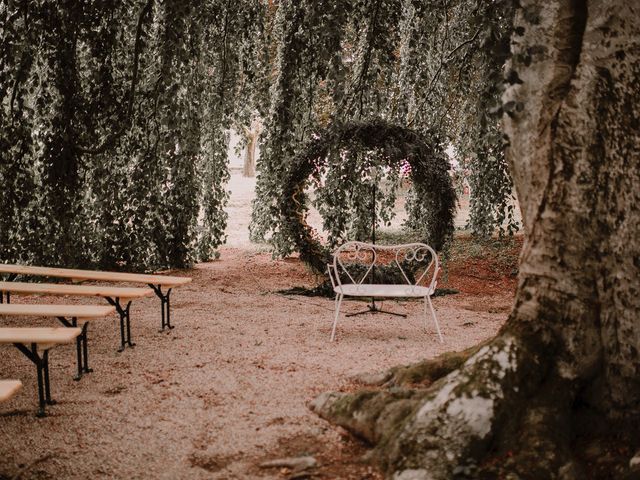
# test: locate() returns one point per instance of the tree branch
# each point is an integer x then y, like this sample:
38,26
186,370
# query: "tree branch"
443,63
126,123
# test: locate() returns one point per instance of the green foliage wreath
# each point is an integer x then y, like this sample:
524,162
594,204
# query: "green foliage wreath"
434,199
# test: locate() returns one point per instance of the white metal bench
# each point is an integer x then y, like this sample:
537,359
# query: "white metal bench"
384,271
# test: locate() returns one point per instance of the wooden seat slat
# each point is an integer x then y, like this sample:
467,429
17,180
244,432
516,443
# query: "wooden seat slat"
8,389
76,274
47,310
39,335
81,290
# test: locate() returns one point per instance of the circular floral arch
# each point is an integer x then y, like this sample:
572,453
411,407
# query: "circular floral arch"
435,198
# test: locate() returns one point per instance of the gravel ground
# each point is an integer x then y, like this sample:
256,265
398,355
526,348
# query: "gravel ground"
219,393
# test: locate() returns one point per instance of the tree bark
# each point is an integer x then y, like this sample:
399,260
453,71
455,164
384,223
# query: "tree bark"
251,137
571,342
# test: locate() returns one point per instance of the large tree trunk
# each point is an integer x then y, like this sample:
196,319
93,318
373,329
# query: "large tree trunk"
571,343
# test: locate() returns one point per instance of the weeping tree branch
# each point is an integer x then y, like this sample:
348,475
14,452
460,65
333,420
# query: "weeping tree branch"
126,123
224,58
359,84
443,63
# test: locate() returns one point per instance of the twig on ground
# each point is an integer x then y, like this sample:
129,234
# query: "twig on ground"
30,465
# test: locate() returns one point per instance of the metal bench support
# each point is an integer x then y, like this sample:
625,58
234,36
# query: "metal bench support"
165,306
42,366
82,348
125,322
10,278
373,308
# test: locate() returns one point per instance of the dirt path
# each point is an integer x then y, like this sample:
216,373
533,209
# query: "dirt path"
224,390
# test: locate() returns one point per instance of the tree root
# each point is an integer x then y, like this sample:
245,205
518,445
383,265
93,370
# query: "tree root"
424,373
466,417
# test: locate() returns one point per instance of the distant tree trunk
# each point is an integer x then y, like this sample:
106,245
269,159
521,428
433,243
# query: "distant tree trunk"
570,347
251,137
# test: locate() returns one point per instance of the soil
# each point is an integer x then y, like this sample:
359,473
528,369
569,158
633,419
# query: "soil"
228,388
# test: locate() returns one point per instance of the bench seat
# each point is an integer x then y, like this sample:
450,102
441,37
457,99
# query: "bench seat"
53,310
39,335
29,340
155,282
383,291
8,389
27,288
119,297
98,275
69,316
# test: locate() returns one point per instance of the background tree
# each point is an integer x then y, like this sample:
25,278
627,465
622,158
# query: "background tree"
112,121
432,66
568,355
251,135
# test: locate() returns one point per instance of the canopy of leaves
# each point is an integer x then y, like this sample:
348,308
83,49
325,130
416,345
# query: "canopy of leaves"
112,128
114,115
433,66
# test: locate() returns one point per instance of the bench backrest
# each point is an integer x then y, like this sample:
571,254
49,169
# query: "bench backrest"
360,262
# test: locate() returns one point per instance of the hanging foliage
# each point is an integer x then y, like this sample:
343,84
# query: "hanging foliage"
432,66
114,115
112,121
388,148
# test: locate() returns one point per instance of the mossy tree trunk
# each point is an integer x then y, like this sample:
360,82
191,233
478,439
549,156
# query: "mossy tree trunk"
571,342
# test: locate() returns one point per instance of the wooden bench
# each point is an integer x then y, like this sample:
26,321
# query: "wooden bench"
384,271
156,282
28,341
8,389
120,298
69,316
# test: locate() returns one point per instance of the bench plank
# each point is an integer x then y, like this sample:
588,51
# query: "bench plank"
39,335
47,310
27,288
382,290
8,389
76,274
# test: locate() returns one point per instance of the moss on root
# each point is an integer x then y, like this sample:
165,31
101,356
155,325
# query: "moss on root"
424,373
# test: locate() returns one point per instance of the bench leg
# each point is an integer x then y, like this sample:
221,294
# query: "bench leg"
338,304
122,337
427,300
82,347
47,384
41,395
125,322
10,278
42,368
165,306
78,356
